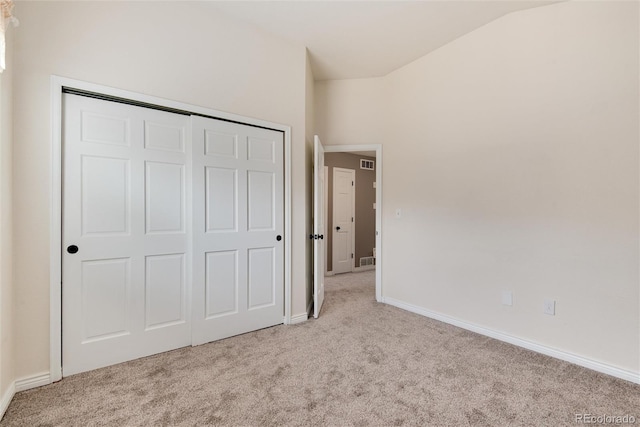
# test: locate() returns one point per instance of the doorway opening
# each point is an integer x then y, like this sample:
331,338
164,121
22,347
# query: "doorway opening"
348,213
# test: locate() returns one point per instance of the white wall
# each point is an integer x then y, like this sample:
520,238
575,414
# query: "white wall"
513,154
166,49
351,111
6,220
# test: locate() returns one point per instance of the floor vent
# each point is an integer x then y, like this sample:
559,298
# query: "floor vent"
367,260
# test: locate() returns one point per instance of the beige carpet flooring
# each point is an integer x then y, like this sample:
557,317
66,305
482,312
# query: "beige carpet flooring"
362,364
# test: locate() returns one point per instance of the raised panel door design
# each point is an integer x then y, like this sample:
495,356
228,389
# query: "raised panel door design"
343,197
221,144
221,199
238,209
105,292
164,290
261,200
104,129
221,287
343,211
261,277
127,209
343,219
158,136
105,195
262,150
341,247
165,198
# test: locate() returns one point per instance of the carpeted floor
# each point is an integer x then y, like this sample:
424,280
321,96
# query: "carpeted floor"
362,363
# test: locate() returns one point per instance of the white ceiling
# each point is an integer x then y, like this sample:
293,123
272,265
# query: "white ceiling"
357,39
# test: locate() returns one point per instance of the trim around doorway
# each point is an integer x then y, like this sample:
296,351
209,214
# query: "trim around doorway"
378,149
58,84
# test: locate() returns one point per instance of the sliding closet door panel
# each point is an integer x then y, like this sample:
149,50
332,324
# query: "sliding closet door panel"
238,264
126,227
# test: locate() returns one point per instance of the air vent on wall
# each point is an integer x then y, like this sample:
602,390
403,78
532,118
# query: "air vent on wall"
367,164
367,260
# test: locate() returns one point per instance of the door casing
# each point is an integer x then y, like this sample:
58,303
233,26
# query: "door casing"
326,215
57,85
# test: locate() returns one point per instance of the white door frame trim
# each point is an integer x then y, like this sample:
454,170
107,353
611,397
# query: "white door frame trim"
378,149
353,216
326,215
55,197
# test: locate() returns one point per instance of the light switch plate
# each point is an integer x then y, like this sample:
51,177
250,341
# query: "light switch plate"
507,298
549,307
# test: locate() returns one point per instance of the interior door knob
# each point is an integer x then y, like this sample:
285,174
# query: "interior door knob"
72,249
338,228
278,237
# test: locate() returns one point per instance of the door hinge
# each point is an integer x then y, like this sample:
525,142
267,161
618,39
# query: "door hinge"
352,183
351,219
351,256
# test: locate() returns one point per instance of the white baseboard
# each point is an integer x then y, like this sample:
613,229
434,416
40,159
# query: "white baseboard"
364,268
21,385
604,368
33,381
6,399
299,318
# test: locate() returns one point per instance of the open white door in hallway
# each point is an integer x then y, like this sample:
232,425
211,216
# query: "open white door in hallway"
238,264
318,226
126,222
343,219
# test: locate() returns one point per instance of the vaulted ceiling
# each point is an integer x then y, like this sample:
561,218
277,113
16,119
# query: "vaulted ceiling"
357,39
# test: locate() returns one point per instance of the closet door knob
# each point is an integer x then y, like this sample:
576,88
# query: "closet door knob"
72,249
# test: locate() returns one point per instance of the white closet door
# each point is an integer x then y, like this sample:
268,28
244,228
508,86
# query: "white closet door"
238,264
126,224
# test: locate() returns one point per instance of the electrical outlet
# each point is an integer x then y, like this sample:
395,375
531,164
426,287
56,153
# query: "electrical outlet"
550,307
507,298
398,213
